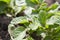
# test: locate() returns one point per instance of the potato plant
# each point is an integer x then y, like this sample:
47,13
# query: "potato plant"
39,21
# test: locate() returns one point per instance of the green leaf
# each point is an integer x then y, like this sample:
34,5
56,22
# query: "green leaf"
35,1
7,1
40,30
57,13
58,20
28,11
30,3
18,5
43,6
3,5
20,2
52,7
18,20
49,15
48,38
41,1
21,35
52,20
42,17
40,20
17,31
30,38
35,11
35,24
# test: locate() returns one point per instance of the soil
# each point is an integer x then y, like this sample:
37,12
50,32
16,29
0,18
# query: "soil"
4,22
